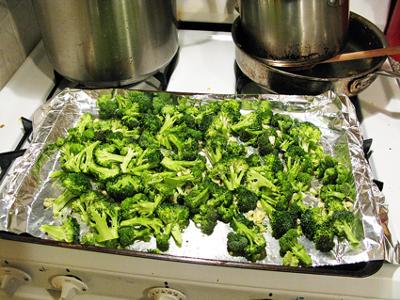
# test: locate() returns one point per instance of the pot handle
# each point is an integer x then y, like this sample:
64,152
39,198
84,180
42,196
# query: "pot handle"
359,84
392,69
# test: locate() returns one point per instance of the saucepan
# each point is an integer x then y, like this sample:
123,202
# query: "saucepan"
349,77
290,33
107,42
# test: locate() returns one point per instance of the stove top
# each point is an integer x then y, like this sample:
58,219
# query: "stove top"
199,72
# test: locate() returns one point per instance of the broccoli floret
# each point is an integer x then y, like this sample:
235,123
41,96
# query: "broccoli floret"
160,100
257,182
139,205
232,109
282,122
246,199
68,231
289,244
272,163
215,148
198,196
148,140
107,106
104,218
288,240
234,149
251,121
178,165
324,163
255,249
84,162
59,203
227,213
81,205
142,99
348,226
106,157
237,244
230,172
290,260
255,160
306,134
206,221
330,176
128,235
77,183
297,206
281,222
264,113
311,220
267,141
151,122
323,238
162,239
300,252
123,186
175,216
131,116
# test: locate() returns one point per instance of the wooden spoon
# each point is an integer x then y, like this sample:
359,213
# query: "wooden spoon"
364,54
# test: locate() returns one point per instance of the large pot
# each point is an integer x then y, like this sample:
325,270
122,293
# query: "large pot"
291,33
107,42
348,78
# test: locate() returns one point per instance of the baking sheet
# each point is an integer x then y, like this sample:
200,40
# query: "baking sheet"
27,184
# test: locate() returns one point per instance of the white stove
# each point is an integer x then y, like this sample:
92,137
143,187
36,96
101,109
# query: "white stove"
206,65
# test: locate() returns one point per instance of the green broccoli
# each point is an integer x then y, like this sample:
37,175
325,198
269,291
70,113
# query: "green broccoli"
348,226
306,134
255,248
128,235
81,205
246,199
206,220
104,218
198,196
290,260
139,205
230,172
250,120
142,99
68,231
237,244
123,186
289,243
175,215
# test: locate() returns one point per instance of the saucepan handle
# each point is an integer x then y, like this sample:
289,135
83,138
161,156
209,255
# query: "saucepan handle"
359,84
388,73
392,69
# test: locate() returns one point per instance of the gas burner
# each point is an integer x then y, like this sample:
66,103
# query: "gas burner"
156,82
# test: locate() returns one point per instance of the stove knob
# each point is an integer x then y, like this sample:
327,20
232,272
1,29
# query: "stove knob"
69,286
11,279
161,293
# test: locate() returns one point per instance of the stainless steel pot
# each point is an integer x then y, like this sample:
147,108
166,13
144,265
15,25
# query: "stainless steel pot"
107,42
350,77
288,33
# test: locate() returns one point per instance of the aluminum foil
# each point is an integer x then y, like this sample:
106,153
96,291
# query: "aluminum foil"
27,184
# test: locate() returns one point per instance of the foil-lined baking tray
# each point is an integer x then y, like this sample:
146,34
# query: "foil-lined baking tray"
27,184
